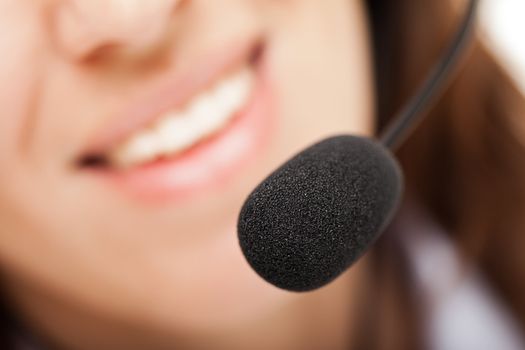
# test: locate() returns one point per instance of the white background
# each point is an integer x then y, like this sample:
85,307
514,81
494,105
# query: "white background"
503,26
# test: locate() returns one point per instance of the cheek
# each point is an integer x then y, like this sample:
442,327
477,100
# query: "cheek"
322,64
21,44
22,52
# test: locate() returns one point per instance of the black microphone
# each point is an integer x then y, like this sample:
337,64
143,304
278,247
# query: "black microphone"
319,212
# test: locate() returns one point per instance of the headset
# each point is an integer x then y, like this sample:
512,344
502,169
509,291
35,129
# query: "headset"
314,216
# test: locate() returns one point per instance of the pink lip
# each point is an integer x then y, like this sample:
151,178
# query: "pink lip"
173,93
210,164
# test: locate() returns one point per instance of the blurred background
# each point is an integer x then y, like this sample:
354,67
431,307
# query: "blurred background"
504,28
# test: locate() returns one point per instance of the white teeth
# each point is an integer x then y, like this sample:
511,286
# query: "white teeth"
176,131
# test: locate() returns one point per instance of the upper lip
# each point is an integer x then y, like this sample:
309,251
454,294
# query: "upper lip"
173,93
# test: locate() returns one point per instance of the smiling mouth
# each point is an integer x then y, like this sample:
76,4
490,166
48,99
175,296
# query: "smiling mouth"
205,130
178,130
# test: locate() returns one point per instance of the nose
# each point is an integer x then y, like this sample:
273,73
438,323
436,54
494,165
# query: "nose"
83,28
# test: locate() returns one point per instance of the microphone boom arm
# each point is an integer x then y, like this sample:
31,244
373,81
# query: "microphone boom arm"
398,130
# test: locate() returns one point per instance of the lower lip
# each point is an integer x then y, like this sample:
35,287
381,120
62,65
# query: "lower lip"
209,165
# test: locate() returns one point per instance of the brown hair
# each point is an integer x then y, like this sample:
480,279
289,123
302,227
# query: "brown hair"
465,164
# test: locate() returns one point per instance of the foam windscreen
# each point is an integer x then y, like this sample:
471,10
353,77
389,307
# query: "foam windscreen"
319,212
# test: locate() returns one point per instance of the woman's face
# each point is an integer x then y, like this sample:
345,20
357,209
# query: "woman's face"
132,131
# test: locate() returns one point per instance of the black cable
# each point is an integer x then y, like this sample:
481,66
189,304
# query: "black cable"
409,117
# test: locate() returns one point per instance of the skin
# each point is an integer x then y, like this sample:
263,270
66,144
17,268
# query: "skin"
89,267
